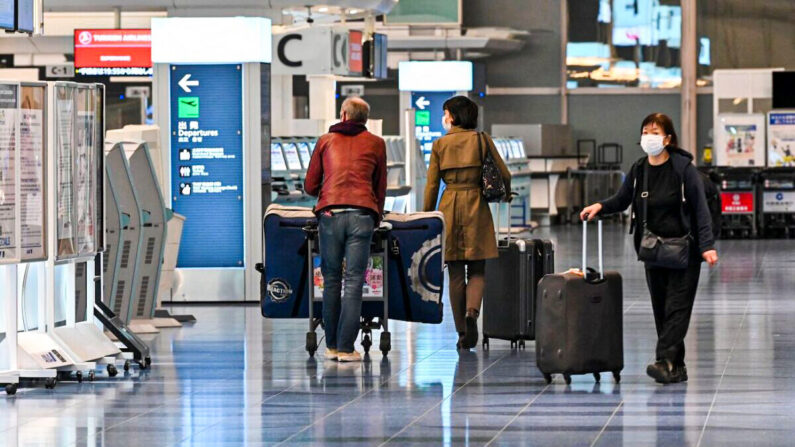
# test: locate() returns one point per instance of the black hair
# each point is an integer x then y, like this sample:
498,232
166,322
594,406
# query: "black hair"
664,122
463,111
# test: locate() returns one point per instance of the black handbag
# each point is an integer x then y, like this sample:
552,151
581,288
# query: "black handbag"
657,251
491,184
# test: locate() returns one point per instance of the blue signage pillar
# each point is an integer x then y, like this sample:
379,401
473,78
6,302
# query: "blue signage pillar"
428,127
207,178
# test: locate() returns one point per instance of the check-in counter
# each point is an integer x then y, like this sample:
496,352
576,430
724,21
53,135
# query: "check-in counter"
550,195
290,159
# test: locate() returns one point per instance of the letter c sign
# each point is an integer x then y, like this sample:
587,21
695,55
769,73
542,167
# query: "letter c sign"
280,50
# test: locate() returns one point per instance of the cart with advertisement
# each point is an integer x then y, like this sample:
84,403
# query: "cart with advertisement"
738,191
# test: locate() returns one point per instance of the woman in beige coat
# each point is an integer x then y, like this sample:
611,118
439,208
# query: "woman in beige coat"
457,158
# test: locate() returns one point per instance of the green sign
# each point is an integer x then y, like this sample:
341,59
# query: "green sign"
425,11
422,118
188,107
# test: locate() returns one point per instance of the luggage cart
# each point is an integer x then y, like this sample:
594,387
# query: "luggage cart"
777,215
739,202
378,249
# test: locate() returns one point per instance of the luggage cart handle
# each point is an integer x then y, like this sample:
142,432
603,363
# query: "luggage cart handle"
585,247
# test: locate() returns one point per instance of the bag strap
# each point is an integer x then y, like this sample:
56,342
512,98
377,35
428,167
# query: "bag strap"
644,194
394,251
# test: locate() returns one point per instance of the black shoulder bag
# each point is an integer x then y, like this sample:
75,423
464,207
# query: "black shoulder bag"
657,251
491,183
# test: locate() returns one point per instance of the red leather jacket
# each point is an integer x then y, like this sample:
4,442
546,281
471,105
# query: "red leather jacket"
348,169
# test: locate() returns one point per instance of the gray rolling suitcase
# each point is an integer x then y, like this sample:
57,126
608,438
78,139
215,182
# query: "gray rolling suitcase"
509,304
580,327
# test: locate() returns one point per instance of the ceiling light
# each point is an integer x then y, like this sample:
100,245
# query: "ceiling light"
285,12
354,11
322,9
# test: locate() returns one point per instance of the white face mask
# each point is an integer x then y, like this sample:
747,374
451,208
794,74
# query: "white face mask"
652,144
447,125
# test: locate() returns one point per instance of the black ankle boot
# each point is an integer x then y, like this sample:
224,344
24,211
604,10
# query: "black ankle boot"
459,344
470,339
661,371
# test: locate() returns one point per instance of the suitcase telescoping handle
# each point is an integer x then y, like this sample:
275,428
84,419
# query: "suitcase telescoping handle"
585,248
497,231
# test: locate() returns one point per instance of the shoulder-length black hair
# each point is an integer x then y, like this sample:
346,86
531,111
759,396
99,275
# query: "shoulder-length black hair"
664,122
463,111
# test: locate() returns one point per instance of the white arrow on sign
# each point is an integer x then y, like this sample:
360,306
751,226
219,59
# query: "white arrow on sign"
185,83
422,102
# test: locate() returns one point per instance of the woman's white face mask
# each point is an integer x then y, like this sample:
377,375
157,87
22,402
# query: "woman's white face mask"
652,144
447,125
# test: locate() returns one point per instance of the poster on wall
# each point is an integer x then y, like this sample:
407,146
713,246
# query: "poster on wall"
740,140
84,172
64,168
31,171
781,138
8,177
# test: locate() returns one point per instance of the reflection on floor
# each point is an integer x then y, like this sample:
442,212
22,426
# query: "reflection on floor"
236,379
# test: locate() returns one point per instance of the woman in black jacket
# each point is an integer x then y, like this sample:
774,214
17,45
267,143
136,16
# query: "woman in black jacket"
677,207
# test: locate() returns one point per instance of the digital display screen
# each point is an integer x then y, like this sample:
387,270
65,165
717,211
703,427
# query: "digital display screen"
277,158
435,76
518,149
303,151
25,16
112,48
7,11
291,153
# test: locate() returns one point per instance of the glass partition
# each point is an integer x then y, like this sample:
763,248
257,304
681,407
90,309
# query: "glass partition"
33,162
8,176
64,116
85,165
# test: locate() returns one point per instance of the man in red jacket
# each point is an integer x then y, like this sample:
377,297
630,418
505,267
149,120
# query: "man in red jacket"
348,175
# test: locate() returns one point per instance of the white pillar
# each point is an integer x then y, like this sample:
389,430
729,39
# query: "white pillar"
322,99
281,104
689,55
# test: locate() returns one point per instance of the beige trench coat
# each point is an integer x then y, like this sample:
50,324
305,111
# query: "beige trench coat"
455,158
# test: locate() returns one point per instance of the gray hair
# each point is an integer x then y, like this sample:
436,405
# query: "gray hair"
356,108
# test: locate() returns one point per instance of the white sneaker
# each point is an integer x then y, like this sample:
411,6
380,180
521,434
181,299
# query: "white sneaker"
331,354
349,356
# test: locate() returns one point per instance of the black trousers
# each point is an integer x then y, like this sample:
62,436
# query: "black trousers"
673,292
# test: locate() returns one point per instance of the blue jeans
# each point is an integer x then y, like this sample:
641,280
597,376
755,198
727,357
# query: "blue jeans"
345,235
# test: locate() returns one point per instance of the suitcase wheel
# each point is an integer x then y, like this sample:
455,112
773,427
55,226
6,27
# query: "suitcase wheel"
597,377
617,376
567,379
311,343
485,343
548,378
386,343
366,343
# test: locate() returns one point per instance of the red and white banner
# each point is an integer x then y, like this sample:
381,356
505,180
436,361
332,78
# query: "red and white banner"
113,48
355,62
737,202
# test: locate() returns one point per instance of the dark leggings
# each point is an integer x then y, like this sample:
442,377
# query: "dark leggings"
467,282
673,292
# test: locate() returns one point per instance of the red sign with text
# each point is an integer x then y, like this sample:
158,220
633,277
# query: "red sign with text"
113,48
737,202
355,62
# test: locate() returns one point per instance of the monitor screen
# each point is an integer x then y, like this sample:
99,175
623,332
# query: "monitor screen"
24,20
518,149
291,153
303,151
7,11
115,52
784,89
277,158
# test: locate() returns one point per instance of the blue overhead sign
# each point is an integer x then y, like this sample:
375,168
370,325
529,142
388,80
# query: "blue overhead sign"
207,163
428,115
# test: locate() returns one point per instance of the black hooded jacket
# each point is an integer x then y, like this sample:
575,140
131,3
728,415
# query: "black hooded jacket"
696,216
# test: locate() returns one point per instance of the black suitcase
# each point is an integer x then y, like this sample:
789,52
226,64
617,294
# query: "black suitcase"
580,328
509,302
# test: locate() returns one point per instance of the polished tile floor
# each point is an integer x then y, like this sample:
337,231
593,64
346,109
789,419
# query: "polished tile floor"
235,378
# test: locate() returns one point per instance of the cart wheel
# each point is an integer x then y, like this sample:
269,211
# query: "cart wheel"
567,379
617,376
311,343
521,344
79,376
50,382
513,344
386,343
91,375
11,389
112,371
486,343
547,378
126,365
597,377
366,343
